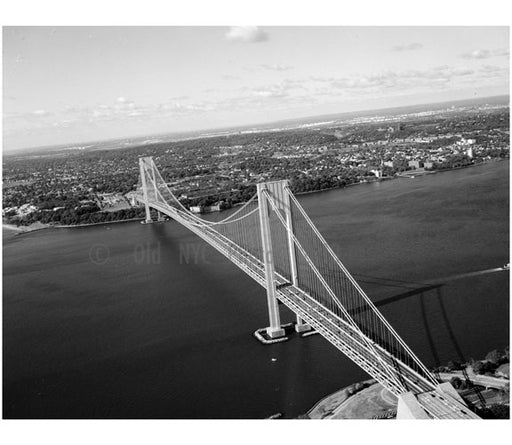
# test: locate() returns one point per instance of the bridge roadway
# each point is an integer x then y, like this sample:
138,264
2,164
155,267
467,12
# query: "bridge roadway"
336,330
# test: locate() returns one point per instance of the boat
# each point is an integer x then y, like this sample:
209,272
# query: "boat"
506,266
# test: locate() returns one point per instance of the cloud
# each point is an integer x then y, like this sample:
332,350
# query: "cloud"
477,54
275,67
269,92
412,81
247,34
502,52
484,53
229,77
178,98
282,89
283,95
410,47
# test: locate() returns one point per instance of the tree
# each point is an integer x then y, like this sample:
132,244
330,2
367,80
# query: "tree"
454,365
495,356
496,411
456,382
482,367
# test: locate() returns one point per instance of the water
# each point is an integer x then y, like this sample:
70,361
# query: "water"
110,321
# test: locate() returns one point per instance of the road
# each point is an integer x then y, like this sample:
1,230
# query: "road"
482,380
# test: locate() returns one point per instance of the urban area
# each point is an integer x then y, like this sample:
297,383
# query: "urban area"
76,186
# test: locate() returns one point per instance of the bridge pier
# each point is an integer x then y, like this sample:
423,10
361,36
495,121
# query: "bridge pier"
301,326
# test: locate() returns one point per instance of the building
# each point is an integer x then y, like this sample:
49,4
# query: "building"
415,164
206,209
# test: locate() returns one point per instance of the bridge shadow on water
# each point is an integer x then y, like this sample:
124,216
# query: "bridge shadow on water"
428,296
423,292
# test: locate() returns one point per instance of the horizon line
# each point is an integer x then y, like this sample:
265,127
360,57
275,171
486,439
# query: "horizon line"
182,134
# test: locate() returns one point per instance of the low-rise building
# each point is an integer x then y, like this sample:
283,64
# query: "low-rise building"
415,164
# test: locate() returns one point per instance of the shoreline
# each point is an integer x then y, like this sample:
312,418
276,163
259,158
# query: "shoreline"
27,229
387,178
72,226
21,230
344,186
359,394
340,391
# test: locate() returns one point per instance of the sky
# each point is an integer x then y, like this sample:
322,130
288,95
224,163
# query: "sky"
76,84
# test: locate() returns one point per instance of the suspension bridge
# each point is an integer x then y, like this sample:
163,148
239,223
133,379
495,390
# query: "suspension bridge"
272,239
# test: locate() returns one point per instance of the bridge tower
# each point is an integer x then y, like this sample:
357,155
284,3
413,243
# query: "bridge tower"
278,190
143,162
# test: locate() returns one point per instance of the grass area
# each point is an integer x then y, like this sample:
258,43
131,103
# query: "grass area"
326,407
374,401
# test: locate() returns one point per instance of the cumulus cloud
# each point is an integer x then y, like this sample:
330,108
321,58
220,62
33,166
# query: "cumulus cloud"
229,77
477,54
279,95
484,53
502,52
269,92
285,88
409,47
414,80
275,67
247,34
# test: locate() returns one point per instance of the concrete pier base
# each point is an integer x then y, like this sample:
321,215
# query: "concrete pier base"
275,332
409,408
302,327
263,337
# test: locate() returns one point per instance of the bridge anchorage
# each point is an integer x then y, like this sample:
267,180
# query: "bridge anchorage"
272,239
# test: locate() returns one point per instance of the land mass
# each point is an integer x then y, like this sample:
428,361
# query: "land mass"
484,385
95,185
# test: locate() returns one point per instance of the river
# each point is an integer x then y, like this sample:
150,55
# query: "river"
116,321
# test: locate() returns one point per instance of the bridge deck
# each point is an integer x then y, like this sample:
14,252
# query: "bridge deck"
336,330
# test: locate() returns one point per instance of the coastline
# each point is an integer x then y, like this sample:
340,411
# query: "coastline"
368,399
40,226
344,186
387,178
20,230
72,226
